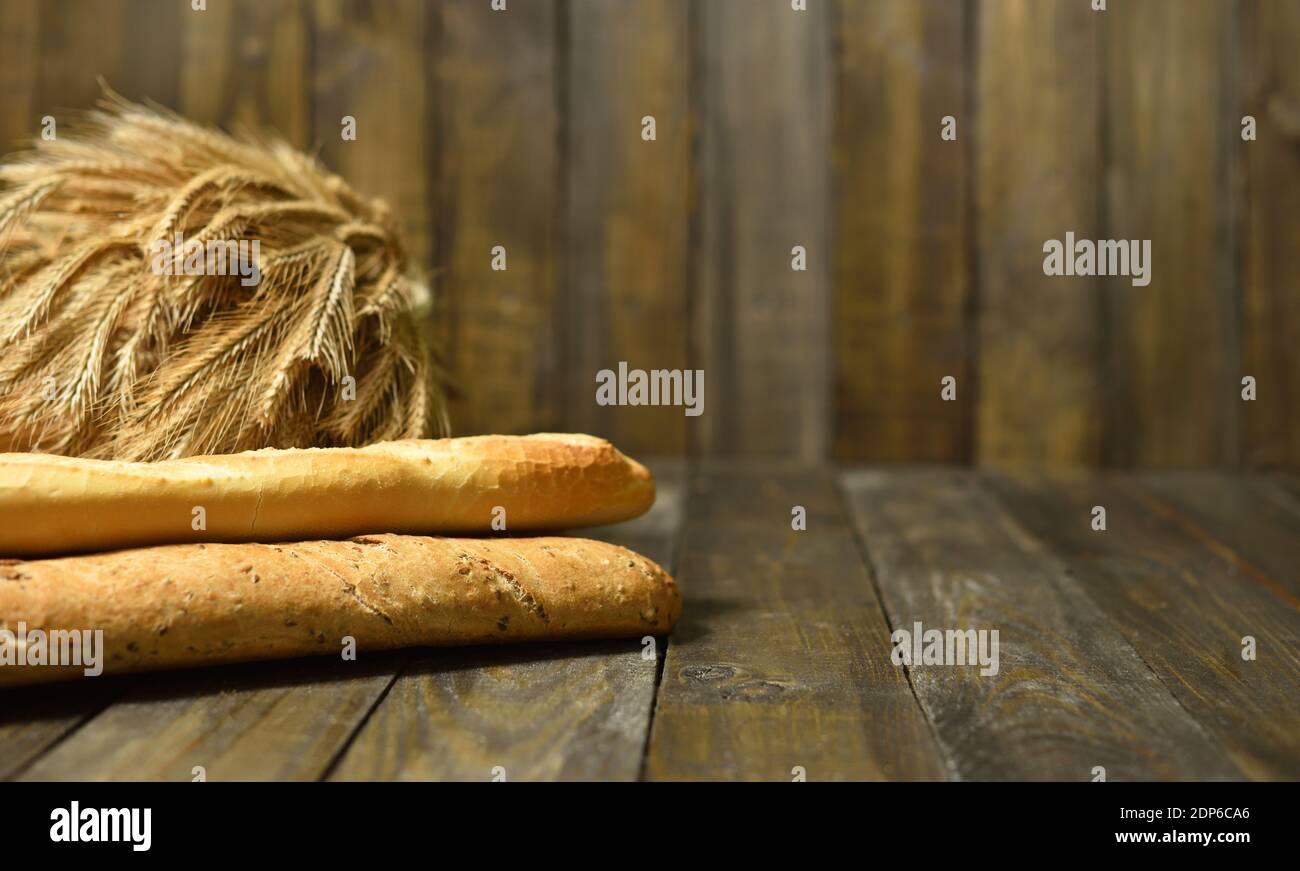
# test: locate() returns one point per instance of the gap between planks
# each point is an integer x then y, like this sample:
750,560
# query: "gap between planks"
774,670
1070,693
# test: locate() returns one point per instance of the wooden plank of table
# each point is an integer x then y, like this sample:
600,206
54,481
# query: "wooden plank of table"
1070,692
1038,175
1269,178
1172,362
1248,521
1288,483
261,721
902,265
760,326
34,719
1185,608
627,205
781,658
497,178
571,711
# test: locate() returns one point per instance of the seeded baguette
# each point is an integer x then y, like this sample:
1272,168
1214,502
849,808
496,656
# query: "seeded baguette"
57,505
199,604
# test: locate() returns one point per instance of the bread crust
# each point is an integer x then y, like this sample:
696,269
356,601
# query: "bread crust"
56,505
199,604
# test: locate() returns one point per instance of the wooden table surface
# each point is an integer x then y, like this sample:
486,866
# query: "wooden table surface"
1119,648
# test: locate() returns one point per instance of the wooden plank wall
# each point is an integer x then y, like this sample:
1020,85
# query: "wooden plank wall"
1268,173
774,128
902,224
1038,173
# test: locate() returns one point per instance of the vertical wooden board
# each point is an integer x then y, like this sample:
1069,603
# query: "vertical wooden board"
760,327
66,47
1172,343
498,177
562,711
1038,175
19,34
152,51
55,52
902,270
627,210
247,64
1069,693
1184,608
262,721
372,62
80,40
781,658
1270,232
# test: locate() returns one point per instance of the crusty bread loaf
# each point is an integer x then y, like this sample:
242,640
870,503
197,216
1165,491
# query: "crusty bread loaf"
196,604
53,504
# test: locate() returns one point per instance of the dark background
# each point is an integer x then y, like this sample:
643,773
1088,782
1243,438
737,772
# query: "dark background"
779,128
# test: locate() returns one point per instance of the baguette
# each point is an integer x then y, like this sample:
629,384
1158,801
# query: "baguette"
56,505
197,604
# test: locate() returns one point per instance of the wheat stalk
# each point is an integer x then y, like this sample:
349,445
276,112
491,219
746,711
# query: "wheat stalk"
144,365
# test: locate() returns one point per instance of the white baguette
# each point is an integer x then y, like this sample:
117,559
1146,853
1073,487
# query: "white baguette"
53,504
200,604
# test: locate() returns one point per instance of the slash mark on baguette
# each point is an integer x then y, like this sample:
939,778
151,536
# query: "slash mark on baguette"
522,596
351,590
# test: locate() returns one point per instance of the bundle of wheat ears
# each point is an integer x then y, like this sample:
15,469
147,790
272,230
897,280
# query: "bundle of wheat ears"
117,340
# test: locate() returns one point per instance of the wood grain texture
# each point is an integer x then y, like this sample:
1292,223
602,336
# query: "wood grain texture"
1270,232
1249,521
781,658
776,128
760,327
1290,484
265,721
1172,344
498,173
53,54
247,64
627,210
153,51
18,73
1038,166
78,41
1185,608
371,61
1070,692
902,270
572,711
34,719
